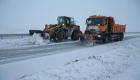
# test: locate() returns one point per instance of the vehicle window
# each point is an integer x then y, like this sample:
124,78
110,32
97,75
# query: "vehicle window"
95,21
72,21
68,21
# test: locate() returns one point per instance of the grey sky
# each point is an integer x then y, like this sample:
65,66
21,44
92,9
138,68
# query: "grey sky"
18,16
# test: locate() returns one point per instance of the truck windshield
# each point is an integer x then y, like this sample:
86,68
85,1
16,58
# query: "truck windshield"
94,21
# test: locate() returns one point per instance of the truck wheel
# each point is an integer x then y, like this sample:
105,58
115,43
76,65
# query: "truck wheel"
121,36
105,39
75,35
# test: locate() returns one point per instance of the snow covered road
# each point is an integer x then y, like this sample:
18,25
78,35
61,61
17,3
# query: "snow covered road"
11,55
113,61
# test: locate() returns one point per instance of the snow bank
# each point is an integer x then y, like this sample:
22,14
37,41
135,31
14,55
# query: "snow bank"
23,42
130,74
14,43
103,66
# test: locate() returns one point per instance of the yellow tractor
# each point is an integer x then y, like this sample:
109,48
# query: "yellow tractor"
65,29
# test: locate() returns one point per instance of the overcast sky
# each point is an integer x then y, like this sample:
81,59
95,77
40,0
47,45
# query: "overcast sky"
18,16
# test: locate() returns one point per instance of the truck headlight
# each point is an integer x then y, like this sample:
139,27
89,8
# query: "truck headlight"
98,35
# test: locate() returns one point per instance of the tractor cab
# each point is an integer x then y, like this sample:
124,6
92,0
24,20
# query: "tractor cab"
65,21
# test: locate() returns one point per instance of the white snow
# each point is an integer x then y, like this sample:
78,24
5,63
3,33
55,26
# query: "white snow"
113,61
23,42
36,39
131,74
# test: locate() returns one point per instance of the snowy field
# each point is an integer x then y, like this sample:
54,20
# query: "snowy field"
112,61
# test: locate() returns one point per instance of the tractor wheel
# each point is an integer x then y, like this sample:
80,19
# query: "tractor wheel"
59,35
66,34
75,35
53,37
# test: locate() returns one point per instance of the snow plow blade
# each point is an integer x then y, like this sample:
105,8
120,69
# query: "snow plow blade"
87,40
31,32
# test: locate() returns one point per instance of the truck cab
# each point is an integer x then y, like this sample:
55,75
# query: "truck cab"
99,24
104,28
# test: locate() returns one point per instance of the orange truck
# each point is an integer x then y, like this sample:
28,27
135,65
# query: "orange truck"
103,28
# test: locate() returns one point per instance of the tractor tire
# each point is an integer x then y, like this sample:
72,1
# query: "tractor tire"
59,35
75,35
53,37
66,34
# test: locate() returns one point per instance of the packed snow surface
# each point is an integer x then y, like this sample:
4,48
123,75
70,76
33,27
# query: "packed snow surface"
112,61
